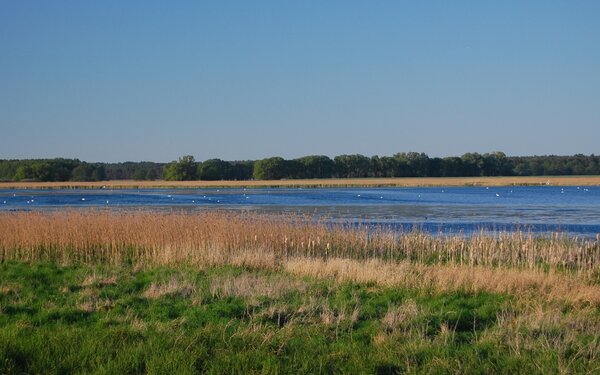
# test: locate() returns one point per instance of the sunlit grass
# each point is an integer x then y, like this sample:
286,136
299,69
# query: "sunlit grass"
122,319
101,291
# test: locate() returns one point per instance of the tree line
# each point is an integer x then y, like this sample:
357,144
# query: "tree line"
404,164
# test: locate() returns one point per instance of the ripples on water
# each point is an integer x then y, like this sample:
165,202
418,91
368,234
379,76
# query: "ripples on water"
573,210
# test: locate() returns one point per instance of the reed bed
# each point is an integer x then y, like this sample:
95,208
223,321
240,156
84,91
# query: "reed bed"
140,237
493,302
323,182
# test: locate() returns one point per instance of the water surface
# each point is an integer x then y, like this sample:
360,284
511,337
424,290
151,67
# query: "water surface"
574,210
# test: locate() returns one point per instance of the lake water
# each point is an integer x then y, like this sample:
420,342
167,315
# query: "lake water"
573,210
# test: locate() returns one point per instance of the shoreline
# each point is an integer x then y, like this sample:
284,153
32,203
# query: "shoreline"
319,183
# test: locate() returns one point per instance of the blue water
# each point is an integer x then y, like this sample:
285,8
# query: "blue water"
573,210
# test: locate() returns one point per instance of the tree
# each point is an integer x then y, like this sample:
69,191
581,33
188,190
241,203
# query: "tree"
139,174
23,172
151,175
182,170
537,167
294,169
274,168
242,170
215,169
352,165
473,164
418,163
402,169
412,164
434,167
42,171
389,166
81,172
496,164
8,169
315,166
98,173
451,167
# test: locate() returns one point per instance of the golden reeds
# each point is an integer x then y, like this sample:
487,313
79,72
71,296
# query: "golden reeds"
324,182
486,261
176,237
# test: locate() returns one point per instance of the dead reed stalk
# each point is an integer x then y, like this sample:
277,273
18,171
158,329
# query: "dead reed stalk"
215,237
501,262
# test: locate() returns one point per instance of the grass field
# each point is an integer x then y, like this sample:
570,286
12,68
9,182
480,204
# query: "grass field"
334,182
105,292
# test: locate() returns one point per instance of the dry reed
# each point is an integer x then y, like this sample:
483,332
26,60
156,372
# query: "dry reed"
323,182
301,245
173,287
449,278
196,238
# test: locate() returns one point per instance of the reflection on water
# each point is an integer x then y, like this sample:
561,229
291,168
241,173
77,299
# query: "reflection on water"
575,210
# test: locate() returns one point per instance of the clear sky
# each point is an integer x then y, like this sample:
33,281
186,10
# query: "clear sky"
154,80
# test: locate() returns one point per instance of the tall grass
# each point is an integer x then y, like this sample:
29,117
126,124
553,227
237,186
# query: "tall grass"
151,238
494,302
338,182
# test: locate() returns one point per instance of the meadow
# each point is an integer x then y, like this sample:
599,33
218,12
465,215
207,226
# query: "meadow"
325,182
98,291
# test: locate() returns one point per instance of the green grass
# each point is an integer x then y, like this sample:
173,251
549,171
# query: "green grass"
96,319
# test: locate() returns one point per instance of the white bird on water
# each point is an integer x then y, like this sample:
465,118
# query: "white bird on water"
497,194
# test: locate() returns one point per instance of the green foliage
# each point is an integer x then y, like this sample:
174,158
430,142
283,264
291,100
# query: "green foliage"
316,166
184,169
274,168
215,169
472,164
23,172
352,166
143,170
242,170
411,164
51,170
99,319
88,172
556,165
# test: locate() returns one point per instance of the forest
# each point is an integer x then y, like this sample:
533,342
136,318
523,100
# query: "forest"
403,164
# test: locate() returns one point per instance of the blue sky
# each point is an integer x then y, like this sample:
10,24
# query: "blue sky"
150,80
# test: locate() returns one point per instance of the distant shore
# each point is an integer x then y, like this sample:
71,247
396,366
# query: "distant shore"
314,183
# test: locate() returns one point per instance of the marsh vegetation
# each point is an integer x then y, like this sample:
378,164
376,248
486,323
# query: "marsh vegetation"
130,292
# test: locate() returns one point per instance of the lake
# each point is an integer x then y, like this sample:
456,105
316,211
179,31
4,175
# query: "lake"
569,209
